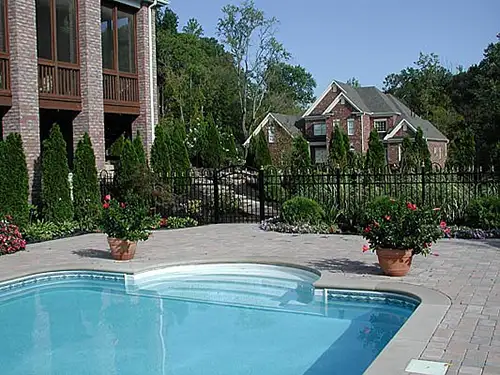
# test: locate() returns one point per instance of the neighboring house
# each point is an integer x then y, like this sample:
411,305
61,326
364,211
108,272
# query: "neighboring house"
358,111
279,131
89,65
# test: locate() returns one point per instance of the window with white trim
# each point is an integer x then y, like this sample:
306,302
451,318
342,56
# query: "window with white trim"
380,125
342,101
336,123
350,126
271,134
319,129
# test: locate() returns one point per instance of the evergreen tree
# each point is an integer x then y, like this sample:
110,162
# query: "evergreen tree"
117,146
212,152
56,197
230,151
258,154
139,149
339,147
86,193
462,151
179,153
160,154
300,155
127,173
14,185
375,156
408,157
421,149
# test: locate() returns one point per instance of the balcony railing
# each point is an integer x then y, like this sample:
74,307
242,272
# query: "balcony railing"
122,89
4,74
61,81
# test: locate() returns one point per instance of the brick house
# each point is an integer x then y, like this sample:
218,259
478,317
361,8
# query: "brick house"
88,65
358,111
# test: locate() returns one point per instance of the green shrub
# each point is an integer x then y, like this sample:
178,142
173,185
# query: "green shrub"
375,156
300,210
179,222
86,194
56,199
258,153
179,153
160,154
212,153
139,149
484,213
14,186
117,147
274,193
46,230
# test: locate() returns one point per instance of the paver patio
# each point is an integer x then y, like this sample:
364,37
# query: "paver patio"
466,271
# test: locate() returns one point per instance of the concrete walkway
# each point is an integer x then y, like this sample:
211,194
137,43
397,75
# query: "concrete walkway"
466,271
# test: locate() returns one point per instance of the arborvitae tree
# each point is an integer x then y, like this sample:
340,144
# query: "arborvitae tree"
462,151
160,154
179,153
139,149
126,173
375,156
86,193
300,156
258,154
14,185
408,157
421,150
230,151
56,198
338,148
212,153
117,147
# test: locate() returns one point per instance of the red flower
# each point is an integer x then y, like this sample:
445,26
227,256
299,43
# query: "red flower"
106,205
411,206
387,217
107,197
163,222
368,229
122,205
366,248
442,224
8,217
447,231
427,245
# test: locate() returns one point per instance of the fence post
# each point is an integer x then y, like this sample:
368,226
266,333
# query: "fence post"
262,197
216,197
337,172
423,184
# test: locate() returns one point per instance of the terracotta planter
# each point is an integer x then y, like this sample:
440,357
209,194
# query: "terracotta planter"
122,249
395,262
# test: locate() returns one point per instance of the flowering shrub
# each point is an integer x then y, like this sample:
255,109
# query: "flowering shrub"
127,221
177,222
395,224
11,240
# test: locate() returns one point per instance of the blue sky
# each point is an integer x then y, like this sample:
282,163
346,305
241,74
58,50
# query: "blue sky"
367,39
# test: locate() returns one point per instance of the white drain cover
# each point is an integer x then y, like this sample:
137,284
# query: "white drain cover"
418,366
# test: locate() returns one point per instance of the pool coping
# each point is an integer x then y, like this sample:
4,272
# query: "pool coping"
408,343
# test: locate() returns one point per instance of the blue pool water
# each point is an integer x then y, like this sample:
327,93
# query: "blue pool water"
249,320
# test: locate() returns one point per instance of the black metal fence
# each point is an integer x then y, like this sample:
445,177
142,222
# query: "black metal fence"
243,194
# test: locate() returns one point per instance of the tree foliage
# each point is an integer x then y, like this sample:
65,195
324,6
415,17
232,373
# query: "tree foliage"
56,197
139,149
375,156
14,185
339,148
258,154
212,153
300,156
160,154
421,150
462,151
86,193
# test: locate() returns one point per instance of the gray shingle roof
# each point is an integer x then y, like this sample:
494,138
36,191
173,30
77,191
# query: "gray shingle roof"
372,100
288,122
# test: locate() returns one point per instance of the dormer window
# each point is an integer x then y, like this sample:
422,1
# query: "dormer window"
380,125
271,134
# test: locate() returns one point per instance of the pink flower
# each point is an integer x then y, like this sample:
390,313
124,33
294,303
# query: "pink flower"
436,209
122,205
442,224
435,254
411,206
368,229
387,217
107,197
366,248
106,205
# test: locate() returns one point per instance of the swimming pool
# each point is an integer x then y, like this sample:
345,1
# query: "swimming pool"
206,319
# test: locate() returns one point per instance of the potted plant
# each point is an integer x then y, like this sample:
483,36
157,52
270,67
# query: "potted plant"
398,230
125,225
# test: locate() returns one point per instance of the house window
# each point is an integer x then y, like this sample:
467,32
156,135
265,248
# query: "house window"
336,123
3,26
56,22
342,101
271,135
399,152
380,125
118,34
320,155
350,126
319,129
435,151
440,153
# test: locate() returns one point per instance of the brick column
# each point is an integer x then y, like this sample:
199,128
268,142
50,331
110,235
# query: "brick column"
23,117
144,123
91,118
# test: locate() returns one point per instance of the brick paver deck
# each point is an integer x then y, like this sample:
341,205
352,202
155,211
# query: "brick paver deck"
467,271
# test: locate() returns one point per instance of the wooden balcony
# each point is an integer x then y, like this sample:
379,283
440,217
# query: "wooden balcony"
59,85
121,93
5,93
